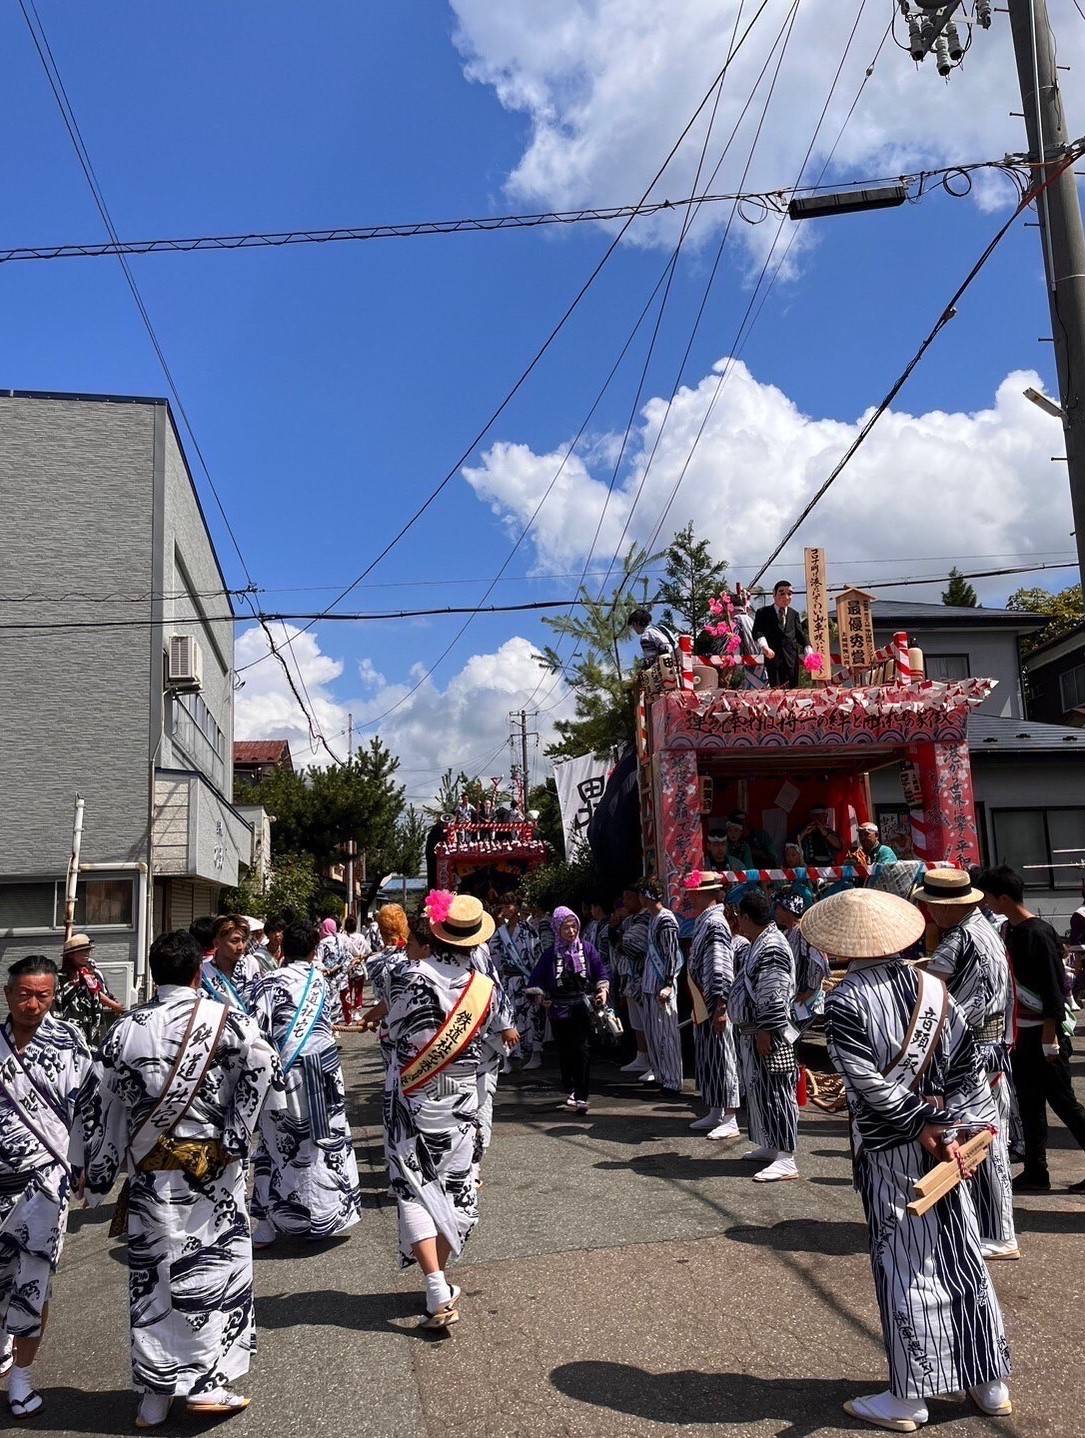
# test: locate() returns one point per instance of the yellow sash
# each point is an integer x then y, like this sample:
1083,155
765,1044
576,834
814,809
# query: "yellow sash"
459,1028
700,1008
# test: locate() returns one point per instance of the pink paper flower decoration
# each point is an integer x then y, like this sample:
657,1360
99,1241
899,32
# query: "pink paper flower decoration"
715,607
734,644
693,881
438,904
813,663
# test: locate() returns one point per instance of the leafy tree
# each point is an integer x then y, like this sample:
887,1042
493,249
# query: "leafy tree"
1065,610
575,882
544,799
960,593
293,883
691,579
601,687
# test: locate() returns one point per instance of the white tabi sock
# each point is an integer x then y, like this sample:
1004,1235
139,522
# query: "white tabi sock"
438,1292
20,1383
154,1408
7,1344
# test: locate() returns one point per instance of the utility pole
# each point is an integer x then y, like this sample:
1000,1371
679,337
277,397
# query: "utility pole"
1059,213
350,841
1058,208
519,718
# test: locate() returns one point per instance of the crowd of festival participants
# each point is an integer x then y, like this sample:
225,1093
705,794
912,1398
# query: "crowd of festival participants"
220,1102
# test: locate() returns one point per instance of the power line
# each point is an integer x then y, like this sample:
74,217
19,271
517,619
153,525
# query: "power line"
18,627
541,351
940,323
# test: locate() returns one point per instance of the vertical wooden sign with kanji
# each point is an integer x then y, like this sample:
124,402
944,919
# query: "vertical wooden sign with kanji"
817,610
856,628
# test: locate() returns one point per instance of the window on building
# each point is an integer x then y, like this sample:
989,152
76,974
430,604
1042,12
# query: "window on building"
193,729
1043,845
946,666
99,903
1072,688
26,906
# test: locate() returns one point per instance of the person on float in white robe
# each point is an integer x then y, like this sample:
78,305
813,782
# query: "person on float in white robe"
440,1009
306,1172
761,1002
972,961
184,1081
914,1085
228,972
48,1109
711,973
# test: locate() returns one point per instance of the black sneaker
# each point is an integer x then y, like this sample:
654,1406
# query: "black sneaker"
1032,1183
1078,1187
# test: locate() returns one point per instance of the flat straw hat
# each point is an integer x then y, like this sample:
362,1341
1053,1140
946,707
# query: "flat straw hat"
466,924
947,886
861,924
77,943
707,881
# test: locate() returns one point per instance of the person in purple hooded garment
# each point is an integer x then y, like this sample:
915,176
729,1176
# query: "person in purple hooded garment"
569,978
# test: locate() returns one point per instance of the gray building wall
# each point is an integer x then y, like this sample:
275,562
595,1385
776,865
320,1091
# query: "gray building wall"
76,485
992,654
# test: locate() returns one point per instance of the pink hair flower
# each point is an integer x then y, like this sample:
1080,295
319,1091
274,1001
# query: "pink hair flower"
813,663
438,904
693,880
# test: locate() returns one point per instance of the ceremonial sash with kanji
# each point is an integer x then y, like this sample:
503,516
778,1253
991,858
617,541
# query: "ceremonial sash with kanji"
206,1021
306,1017
921,1041
44,1122
461,1025
232,992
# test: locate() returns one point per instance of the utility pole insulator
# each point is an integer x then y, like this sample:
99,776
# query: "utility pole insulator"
916,48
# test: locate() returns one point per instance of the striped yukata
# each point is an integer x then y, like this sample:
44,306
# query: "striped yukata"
971,959
941,1322
492,1047
662,964
515,953
811,971
761,999
712,969
632,951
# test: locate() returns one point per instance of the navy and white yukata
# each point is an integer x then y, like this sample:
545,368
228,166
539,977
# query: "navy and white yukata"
941,1323
811,971
972,961
629,971
431,1134
493,1050
306,1173
515,953
761,1000
235,988
189,1246
712,969
55,1083
662,965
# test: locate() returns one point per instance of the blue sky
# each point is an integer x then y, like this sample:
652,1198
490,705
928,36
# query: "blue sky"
332,386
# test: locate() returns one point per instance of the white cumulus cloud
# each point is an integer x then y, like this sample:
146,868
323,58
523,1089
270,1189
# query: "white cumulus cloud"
941,483
606,87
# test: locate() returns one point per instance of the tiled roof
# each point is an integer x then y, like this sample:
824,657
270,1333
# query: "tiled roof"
260,751
992,734
887,612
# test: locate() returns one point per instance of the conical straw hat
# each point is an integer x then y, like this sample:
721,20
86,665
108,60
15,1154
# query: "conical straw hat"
862,924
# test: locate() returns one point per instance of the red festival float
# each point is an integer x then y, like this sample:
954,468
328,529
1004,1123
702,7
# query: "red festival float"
472,858
705,751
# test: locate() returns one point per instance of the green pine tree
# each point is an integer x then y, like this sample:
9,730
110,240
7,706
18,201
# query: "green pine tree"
960,593
692,577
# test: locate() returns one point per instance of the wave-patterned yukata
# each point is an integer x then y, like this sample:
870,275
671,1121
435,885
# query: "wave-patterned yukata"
761,999
55,1080
235,989
189,1248
972,960
941,1322
306,1173
493,1051
712,969
430,1134
515,955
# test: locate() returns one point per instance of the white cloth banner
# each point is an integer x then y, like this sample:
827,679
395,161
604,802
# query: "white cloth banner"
580,783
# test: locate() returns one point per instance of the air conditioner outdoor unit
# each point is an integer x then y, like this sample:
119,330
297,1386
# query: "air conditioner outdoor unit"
185,665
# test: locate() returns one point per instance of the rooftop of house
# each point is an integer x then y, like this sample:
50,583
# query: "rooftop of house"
262,751
907,613
1057,646
991,733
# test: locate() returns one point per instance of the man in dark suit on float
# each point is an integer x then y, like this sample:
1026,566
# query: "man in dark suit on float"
782,637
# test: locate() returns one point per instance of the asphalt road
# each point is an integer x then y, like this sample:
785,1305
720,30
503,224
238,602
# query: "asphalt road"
626,1278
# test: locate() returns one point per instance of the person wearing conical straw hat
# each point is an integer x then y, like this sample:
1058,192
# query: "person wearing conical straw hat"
972,961
711,974
913,1081
760,1008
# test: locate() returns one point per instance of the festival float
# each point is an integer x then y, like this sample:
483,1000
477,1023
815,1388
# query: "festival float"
706,747
477,856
